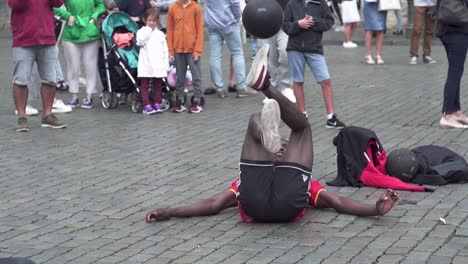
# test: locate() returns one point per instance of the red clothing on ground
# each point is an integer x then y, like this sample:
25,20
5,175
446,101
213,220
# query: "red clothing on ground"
315,188
32,22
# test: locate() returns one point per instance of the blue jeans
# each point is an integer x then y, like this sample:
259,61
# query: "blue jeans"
231,34
456,49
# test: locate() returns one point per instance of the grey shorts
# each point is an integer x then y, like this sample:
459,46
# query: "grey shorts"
24,58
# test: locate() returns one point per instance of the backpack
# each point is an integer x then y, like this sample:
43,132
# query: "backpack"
452,12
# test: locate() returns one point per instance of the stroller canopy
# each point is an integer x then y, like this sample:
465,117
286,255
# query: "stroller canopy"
124,23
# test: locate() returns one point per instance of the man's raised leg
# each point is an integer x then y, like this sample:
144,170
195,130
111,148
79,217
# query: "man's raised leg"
300,147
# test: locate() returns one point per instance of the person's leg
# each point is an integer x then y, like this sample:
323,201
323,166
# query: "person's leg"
296,63
46,59
348,30
232,77
90,59
20,96
73,57
368,40
428,32
456,50
23,60
181,71
337,10
284,78
157,90
418,18
318,66
379,43
58,68
399,20
144,87
196,78
233,41
216,55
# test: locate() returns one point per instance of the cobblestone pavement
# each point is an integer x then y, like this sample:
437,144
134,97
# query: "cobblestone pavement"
80,195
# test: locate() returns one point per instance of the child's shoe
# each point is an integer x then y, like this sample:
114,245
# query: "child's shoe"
148,110
73,102
157,108
87,103
195,108
179,107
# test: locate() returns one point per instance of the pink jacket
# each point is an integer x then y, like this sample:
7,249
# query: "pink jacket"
32,22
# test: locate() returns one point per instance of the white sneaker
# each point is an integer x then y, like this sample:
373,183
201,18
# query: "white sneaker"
270,118
259,69
413,60
289,93
339,29
60,108
428,60
30,111
349,45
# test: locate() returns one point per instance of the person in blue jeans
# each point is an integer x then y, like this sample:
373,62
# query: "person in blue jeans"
222,19
454,39
305,22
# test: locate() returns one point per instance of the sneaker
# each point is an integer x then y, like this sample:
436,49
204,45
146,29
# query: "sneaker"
246,92
349,45
232,89
209,91
334,122
428,60
339,29
368,60
179,107
22,125
259,69
62,86
195,108
270,118
157,108
73,102
413,60
58,107
52,121
30,111
148,110
87,103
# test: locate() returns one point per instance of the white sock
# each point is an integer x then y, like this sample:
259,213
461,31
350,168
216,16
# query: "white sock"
330,116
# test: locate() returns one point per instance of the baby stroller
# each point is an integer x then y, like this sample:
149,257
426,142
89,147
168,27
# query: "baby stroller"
121,62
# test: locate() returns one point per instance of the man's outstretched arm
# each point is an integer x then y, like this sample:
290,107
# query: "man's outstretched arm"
209,206
348,206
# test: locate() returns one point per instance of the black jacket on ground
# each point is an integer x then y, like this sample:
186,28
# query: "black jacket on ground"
439,165
306,40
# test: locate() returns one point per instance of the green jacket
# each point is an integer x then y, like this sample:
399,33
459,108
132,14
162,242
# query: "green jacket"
83,11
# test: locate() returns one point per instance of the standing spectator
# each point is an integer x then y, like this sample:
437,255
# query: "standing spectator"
34,44
422,15
185,43
222,21
81,42
375,22
278,61
153,60
134,8
349,9
305,23
162,6
454,39
336,9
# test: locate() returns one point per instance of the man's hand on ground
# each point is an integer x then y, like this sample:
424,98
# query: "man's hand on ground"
386,202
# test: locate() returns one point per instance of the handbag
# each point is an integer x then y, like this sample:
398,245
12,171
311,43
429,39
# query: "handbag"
386,5
452,12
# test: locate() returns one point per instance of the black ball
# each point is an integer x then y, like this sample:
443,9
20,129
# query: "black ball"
402,163
262,18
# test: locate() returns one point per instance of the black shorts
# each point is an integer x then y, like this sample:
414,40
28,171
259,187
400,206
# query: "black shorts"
273,193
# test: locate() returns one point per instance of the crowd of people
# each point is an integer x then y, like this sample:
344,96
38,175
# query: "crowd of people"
172,32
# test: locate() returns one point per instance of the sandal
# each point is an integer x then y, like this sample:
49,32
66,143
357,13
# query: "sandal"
368,60
379,60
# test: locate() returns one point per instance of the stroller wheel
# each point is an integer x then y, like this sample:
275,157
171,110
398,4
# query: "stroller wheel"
115,100
106,100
